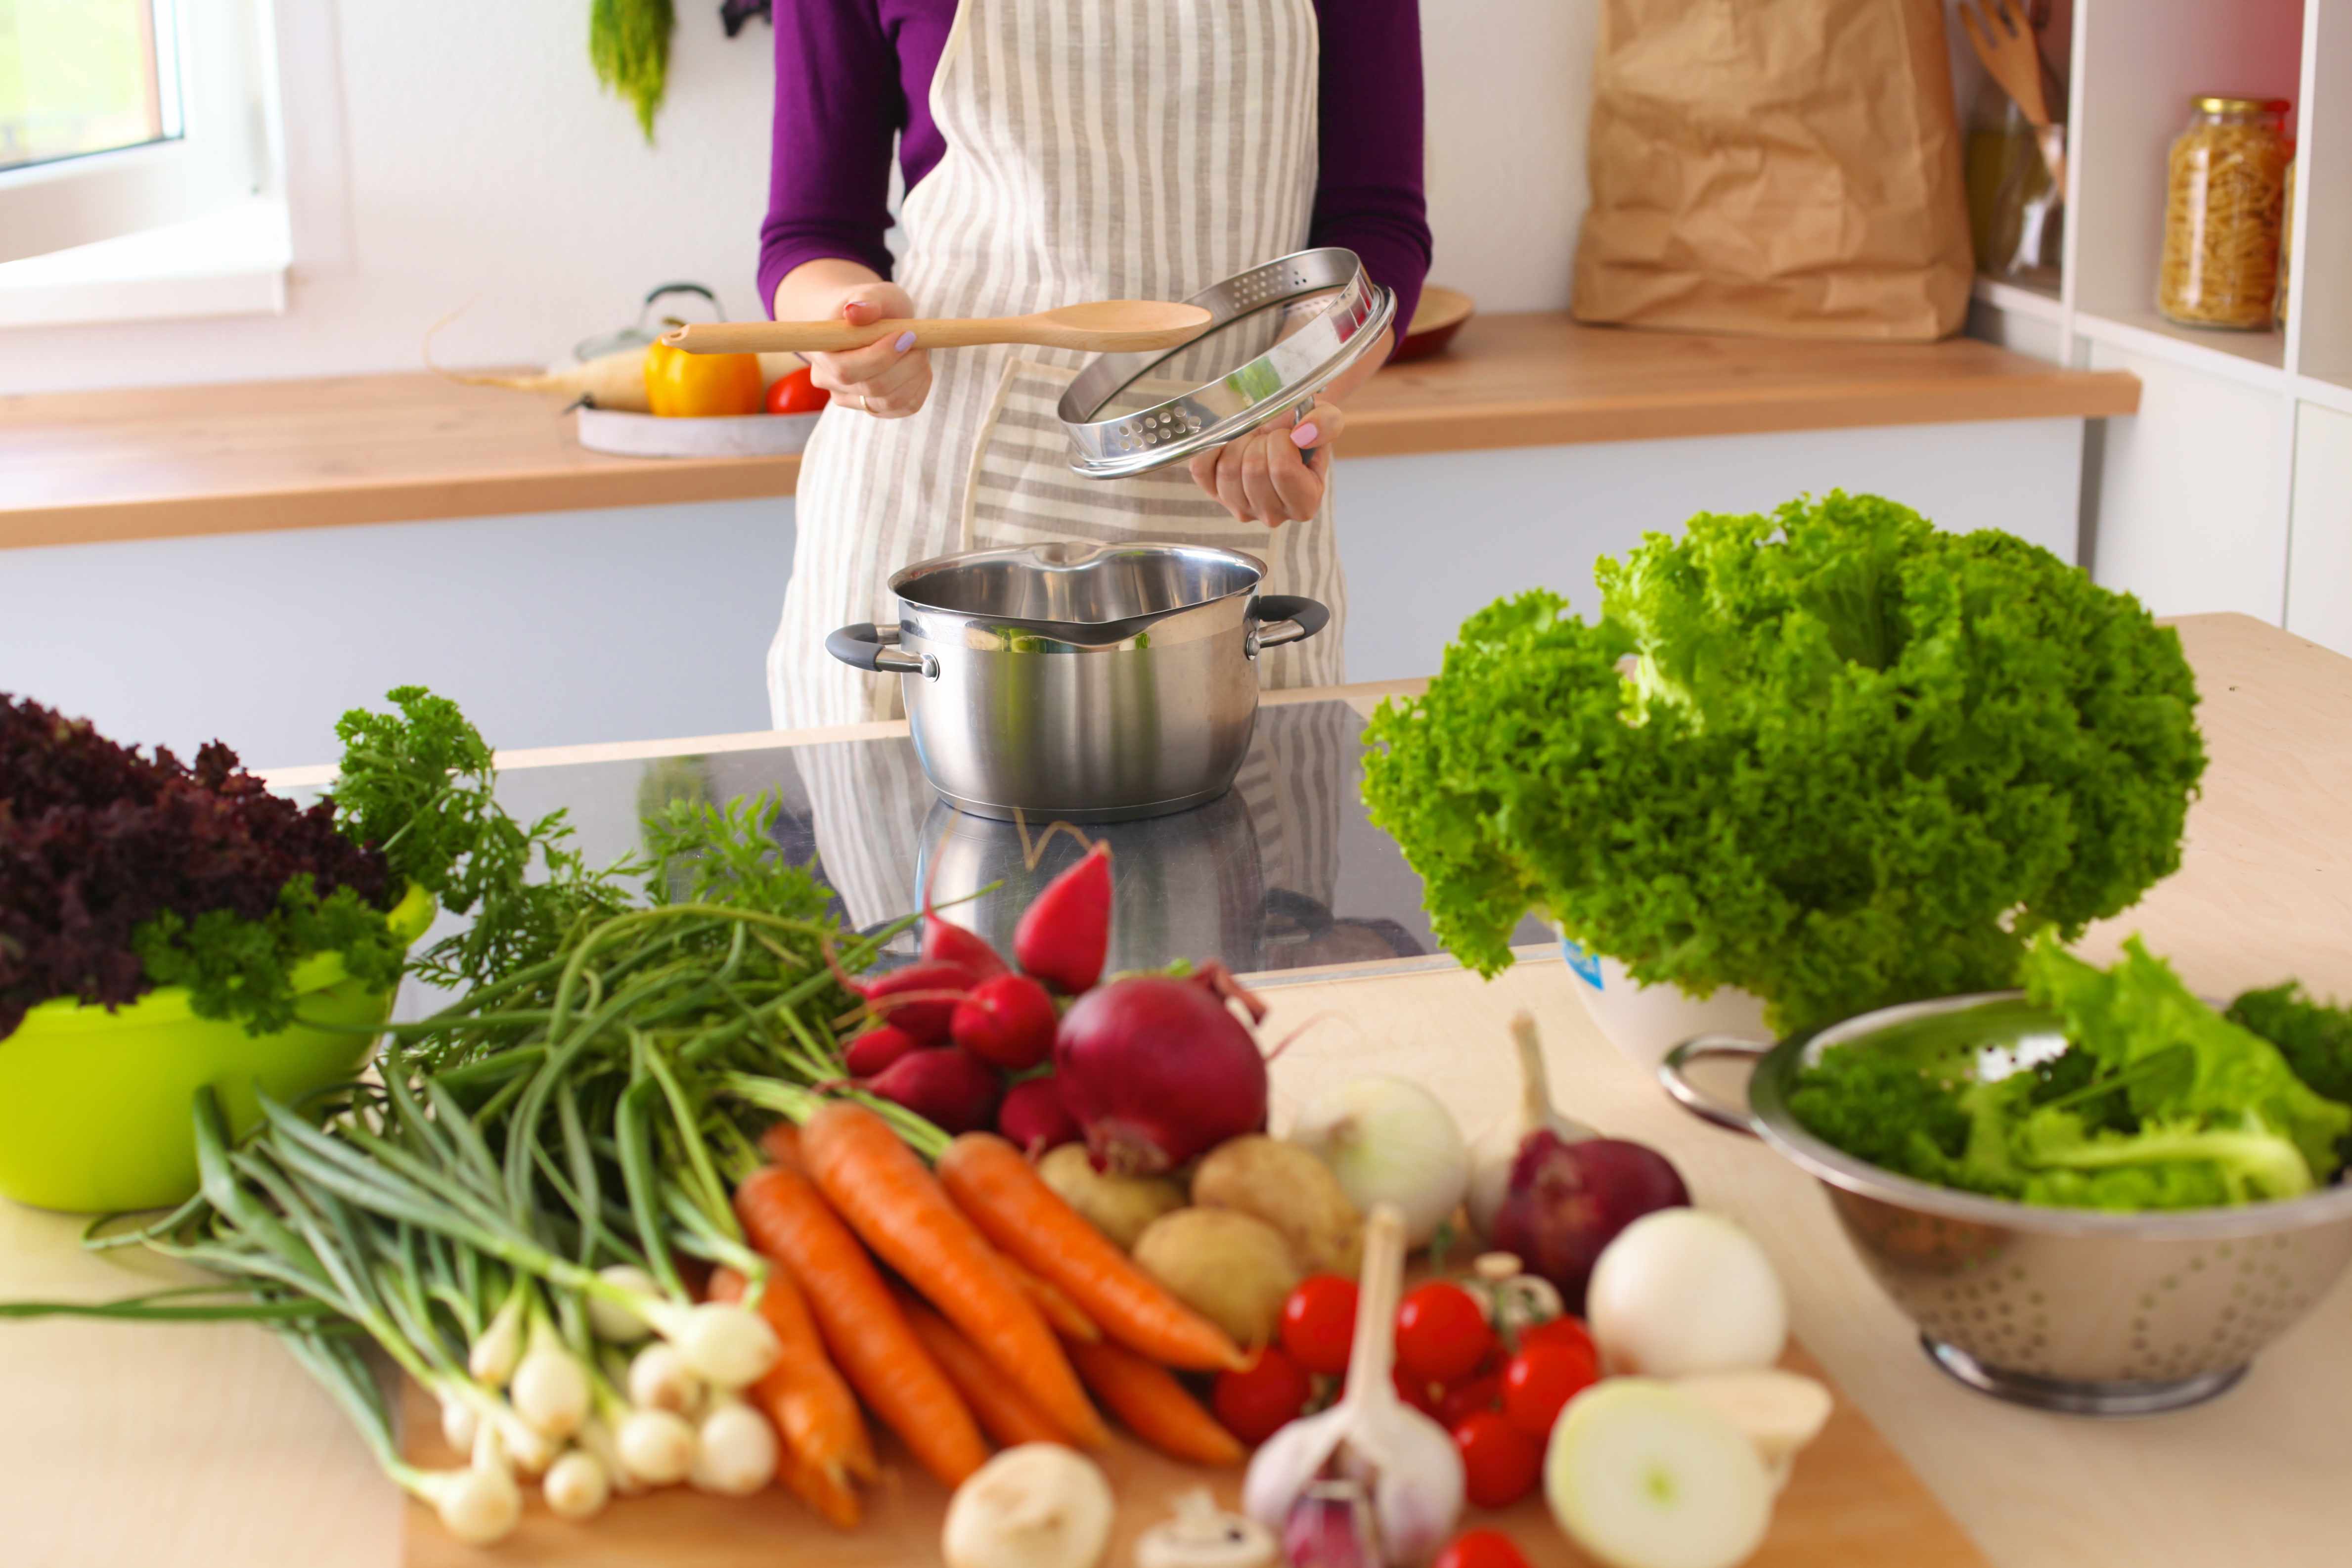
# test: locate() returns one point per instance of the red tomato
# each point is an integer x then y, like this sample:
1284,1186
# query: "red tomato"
1498,1461
1482,1393
1319,1323
1559,1330
1440,1332
1257,1401
1543,1377
1480,1549
796,393
1417,1392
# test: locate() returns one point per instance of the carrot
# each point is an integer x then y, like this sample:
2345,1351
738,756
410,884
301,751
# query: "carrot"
786,1218
781,1146
1014,1208
882,1190
815,1414
1061,1314
1003,1410
1155,1407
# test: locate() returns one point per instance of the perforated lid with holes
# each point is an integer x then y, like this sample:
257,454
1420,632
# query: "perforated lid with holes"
1276,335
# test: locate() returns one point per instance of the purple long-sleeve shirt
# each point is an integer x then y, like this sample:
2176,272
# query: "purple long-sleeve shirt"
852,74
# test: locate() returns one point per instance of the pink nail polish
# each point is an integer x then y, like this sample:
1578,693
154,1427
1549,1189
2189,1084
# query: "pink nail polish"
1303,436
906,341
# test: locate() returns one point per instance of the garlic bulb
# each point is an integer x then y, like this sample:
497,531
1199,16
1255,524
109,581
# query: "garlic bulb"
1490,1162
1405,1459
1199,1534
1040,1505
1512,1300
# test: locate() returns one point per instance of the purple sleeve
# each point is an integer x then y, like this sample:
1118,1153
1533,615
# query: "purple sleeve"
1368,194
838,105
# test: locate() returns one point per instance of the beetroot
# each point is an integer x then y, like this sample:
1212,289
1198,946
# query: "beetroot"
1569,1200
874,1050
1033,1117
1065,934
1007,1022
920,998
954,1093
953,943
1157,1071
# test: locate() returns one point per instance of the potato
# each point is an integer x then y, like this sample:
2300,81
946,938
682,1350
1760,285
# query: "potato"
1230,1269
1118,1206
1292,1191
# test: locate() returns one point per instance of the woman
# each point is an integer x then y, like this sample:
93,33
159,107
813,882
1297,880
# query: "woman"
1054,152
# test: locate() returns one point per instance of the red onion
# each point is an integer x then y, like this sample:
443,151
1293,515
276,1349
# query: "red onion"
1567,1201
1159,1071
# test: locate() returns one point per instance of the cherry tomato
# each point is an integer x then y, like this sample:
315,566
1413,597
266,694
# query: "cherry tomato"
1480,1549
1498,1461
1440,1332
1559,1330
1484,1391
1319,1323
1417,1392
1542,1378
1255,1402
796,393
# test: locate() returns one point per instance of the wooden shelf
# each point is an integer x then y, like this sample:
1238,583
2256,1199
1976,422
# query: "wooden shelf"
84,468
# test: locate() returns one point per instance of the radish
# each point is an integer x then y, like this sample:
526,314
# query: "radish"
954,1093
1065,934
947,942
920,998
1007,1022
1568,1201
1158,1071
874,1050
1034,1119
1642,1475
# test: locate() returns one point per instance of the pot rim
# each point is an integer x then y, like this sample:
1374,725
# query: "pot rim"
1071,556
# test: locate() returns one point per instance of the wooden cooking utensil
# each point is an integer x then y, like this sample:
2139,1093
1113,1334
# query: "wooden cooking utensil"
2003,38
1104,326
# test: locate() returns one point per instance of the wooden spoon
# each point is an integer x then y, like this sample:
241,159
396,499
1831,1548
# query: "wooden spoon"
2006,47
1105,326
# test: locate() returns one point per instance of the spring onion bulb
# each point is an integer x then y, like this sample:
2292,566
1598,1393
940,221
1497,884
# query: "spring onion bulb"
735,1450
459,1421
658,1379
1390,1141
576,1486
596,1439
498,1347
477,1506
657,1446
551,1387
613,1321
722,1344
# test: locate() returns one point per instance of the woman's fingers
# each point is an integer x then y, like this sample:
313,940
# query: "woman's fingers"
900,390
1204,466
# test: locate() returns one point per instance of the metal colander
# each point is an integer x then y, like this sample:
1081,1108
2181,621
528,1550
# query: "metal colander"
2073,1310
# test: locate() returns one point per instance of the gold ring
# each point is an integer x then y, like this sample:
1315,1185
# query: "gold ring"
863,406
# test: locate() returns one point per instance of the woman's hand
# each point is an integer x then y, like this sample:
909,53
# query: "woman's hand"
1276,473
889,379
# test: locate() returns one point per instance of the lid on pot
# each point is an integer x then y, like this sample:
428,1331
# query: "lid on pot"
1070,583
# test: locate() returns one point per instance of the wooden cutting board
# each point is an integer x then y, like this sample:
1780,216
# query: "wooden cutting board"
1852,1502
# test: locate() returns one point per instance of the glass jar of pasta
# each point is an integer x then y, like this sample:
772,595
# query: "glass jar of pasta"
2286,247
2225,204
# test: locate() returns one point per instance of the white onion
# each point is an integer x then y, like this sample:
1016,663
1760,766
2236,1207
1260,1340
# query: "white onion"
1682,1291
1390,1141
576,1486
735,1451
614,1322
657,1446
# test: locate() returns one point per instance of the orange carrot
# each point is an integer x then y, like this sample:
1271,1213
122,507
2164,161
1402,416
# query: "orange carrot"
815,1414
1003,1410
786,1218
1061,1314
1155,1407
878,1185
1014,1208
781,1146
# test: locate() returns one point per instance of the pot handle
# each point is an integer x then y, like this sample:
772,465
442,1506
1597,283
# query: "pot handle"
867,647
1284,618
1690,1097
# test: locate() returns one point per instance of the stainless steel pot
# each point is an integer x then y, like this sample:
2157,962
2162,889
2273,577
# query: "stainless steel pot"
1089,683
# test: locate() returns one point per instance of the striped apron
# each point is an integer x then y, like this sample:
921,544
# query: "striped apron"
1095,150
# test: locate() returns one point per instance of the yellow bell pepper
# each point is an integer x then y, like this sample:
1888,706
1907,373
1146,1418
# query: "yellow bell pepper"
692,386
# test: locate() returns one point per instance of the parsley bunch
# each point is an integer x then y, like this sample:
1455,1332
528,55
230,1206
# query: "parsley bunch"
1830,756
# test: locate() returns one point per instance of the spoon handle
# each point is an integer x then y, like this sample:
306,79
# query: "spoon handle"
829,337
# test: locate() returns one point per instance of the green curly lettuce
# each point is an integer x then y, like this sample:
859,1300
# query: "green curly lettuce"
1830,756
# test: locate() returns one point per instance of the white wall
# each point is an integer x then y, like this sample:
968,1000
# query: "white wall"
454,153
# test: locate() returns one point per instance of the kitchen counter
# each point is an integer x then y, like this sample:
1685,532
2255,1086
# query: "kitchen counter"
84,468
204,1445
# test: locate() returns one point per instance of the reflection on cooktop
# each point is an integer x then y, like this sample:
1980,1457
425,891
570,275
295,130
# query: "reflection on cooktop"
1284,872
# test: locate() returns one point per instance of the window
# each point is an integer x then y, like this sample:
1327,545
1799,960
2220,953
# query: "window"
119,116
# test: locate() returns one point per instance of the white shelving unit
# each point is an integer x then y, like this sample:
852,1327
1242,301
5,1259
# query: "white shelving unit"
2231,488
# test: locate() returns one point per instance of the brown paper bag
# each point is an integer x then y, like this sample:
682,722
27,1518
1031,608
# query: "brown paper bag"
1786,168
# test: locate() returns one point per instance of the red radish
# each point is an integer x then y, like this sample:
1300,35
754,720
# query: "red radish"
1007,1022
1065,934
1159,1071
952,1092
920,998
1567,1201
1033,1118
952,943
874,1050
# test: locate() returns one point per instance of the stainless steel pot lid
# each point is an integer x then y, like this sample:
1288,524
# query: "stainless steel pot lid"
1064,584
1276,335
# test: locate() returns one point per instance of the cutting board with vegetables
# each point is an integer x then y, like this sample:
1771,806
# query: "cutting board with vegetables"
1850,1501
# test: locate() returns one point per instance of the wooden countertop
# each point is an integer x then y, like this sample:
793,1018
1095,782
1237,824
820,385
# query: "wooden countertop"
204,1445
80,467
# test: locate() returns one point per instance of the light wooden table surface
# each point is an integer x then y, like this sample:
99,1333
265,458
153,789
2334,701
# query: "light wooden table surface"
157,462
131,1446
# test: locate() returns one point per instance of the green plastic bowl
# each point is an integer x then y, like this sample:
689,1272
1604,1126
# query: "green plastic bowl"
95,1106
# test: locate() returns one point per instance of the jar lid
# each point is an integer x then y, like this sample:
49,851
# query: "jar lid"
2211,103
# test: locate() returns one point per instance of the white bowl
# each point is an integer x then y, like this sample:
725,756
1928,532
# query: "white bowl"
1645,1021
629,435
